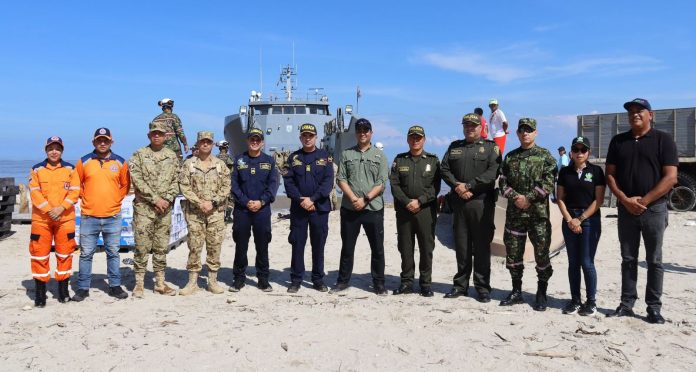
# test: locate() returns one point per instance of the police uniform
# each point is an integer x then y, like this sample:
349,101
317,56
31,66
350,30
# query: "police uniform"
309,174
476,165
415,177
253,178
529,172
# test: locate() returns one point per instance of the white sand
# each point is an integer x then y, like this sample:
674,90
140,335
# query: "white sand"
252,330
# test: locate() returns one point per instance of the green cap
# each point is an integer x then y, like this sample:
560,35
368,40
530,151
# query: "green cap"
528,122
205,135
584,141
255,132
416,129
308,128
471,118
157,126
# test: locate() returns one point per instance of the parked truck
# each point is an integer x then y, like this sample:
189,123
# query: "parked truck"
680,123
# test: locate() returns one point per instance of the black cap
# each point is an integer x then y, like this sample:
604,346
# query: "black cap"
102,132
364,123
561,148
638,101
308,128
255,132
581,140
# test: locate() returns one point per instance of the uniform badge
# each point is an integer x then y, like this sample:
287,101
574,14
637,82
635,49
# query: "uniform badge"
403,169
482,149
308,168
266,166
66,185
588,177
456,152
240,162
321,162
253,170
113,168
427,167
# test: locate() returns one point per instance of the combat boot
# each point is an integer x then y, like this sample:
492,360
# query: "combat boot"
139,289
515,297
161,286
540,303
63,292
39,293
192,285
213,286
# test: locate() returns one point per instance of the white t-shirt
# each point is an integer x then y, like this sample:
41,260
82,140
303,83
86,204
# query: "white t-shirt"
495,124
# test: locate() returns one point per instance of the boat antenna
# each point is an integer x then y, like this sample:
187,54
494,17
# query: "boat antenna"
261,68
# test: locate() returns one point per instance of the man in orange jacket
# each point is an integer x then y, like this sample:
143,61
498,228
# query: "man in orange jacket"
54,187
104,182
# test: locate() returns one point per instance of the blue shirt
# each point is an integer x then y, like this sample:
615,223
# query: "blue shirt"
563,161
310,174
254,179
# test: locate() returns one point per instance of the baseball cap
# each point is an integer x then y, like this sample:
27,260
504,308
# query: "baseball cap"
165,101
471,118
157,126
255,132
561,148
222,143
528,122
364,123
102,132
493,101
416,129
581,140
308,128
205,135
54,139
638,101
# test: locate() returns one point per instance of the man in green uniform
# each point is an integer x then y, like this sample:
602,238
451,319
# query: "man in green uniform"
175,131
415,183
154,171
470,168
527,181
205,183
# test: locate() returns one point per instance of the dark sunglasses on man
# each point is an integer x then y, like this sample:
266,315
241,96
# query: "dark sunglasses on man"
579,149
525,129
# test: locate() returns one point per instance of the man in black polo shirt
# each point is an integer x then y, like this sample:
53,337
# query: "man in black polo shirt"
641,169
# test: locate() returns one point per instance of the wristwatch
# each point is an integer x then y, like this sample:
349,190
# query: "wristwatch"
263,203
367,199
215,203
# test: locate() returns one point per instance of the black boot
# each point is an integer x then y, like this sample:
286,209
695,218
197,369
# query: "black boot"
63,293
515,297
540,304
39,293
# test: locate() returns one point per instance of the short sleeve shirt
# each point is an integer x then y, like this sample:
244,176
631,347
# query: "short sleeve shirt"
363,171
580,187
495,124
639,161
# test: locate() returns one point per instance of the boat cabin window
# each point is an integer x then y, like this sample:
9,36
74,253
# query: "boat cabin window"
317,110
300,110
261,110
277,110
288,110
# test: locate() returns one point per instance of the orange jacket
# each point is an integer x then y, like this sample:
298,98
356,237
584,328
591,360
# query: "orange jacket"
53,186
104,183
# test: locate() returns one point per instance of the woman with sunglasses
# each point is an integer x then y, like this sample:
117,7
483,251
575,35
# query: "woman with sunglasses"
580,194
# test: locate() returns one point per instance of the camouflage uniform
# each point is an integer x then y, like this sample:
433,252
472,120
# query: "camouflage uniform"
154,175
175,131
529,172
199,183
224,156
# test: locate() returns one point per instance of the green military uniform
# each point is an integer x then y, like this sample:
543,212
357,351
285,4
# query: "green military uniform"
529,172
415,177
475,164
175,131
200,182
225,157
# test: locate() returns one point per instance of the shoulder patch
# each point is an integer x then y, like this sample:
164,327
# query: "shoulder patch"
266,166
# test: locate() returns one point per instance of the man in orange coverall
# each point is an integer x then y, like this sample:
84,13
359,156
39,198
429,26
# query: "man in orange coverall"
55,187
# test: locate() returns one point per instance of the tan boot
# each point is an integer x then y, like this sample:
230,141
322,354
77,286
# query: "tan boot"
161,286
191,286
213,286
139,285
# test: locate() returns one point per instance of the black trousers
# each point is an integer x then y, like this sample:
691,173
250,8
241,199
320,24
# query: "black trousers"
410,227
473,232
246,222
373,223
318,223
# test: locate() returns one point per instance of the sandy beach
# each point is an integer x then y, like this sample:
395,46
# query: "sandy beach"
252,330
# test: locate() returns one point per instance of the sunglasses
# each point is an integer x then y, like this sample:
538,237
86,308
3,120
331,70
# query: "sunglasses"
580,149
525,129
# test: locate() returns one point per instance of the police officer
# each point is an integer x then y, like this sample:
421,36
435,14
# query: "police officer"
205,183
415,183
224,155
527,181
175,131
470,168
154,173
254,187
308,183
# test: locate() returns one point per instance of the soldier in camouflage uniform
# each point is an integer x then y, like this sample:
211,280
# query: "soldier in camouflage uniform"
527,181
224,155
205,183
175,131
154,173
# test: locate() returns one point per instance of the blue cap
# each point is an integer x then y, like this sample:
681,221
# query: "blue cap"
638,101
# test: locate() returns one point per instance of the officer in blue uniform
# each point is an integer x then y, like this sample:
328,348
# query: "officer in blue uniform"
308,183
254,186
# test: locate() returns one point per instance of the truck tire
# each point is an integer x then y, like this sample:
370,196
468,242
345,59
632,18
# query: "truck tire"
681,199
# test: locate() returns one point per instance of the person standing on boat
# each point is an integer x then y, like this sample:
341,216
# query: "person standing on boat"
497,125
175,130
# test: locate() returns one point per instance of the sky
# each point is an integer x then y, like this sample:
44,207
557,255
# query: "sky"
70,67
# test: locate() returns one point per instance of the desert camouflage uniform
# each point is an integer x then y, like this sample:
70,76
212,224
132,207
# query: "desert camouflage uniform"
175,131
199,183
154,176
529,172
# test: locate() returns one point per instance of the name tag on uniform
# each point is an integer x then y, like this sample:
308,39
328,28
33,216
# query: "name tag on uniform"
266,166
456,152
321,162
427,167
242,166
403,169
253,170
308,168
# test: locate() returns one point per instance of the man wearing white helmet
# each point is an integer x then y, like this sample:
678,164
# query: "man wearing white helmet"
497,125
175,131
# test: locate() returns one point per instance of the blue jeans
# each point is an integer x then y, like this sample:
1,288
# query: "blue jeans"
110,228
581,250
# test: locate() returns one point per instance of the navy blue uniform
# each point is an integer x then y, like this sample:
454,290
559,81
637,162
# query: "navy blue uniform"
310,174
253,179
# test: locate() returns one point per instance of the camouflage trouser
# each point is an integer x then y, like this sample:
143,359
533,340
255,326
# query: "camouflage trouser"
515,238
208,230
151,233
